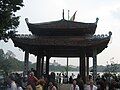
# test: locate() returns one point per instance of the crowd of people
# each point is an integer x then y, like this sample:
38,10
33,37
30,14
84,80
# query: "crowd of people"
15,81
108,82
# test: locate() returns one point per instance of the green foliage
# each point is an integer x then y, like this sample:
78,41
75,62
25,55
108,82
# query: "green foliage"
8,19
113,68
62,68
9,64
1,54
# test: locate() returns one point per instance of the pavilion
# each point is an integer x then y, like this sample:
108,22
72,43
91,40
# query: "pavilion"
62,38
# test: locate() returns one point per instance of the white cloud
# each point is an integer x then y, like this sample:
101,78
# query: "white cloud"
116,13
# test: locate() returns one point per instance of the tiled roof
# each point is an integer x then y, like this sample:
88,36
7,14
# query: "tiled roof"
62,24
61,40
61,28
61,45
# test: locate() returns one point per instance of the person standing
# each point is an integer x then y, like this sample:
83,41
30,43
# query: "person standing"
74,86
59,78
13,85
91,86
40,84
70,80
32,80
51,86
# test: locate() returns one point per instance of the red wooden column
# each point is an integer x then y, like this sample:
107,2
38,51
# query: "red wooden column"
94,64
67,66
79,66
47,65
42,66
83,67
87,66
38,66
26,63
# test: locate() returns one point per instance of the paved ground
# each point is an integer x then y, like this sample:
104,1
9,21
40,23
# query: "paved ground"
67,87
64,87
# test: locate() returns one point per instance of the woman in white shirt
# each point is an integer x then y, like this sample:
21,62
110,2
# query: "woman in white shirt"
13,85
51,86
91,86
74,86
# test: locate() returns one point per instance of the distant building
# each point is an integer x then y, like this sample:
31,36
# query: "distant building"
72,66
55,63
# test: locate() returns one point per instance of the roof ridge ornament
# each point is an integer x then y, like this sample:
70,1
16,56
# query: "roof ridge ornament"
26,20
63,14
96,20
110,33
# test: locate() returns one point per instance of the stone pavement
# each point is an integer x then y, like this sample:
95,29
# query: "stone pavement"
64,87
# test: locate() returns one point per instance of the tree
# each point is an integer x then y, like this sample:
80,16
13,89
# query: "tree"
112,68
8,20
9,64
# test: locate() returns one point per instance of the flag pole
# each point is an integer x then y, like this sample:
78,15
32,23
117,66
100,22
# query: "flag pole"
73,17
68,14
63,14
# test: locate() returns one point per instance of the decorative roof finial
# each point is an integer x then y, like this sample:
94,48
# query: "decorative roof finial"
96,20
26,20
110,33
63,14
68,14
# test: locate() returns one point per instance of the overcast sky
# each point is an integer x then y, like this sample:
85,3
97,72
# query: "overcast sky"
108,12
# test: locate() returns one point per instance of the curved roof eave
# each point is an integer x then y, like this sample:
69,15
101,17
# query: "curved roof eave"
32,42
